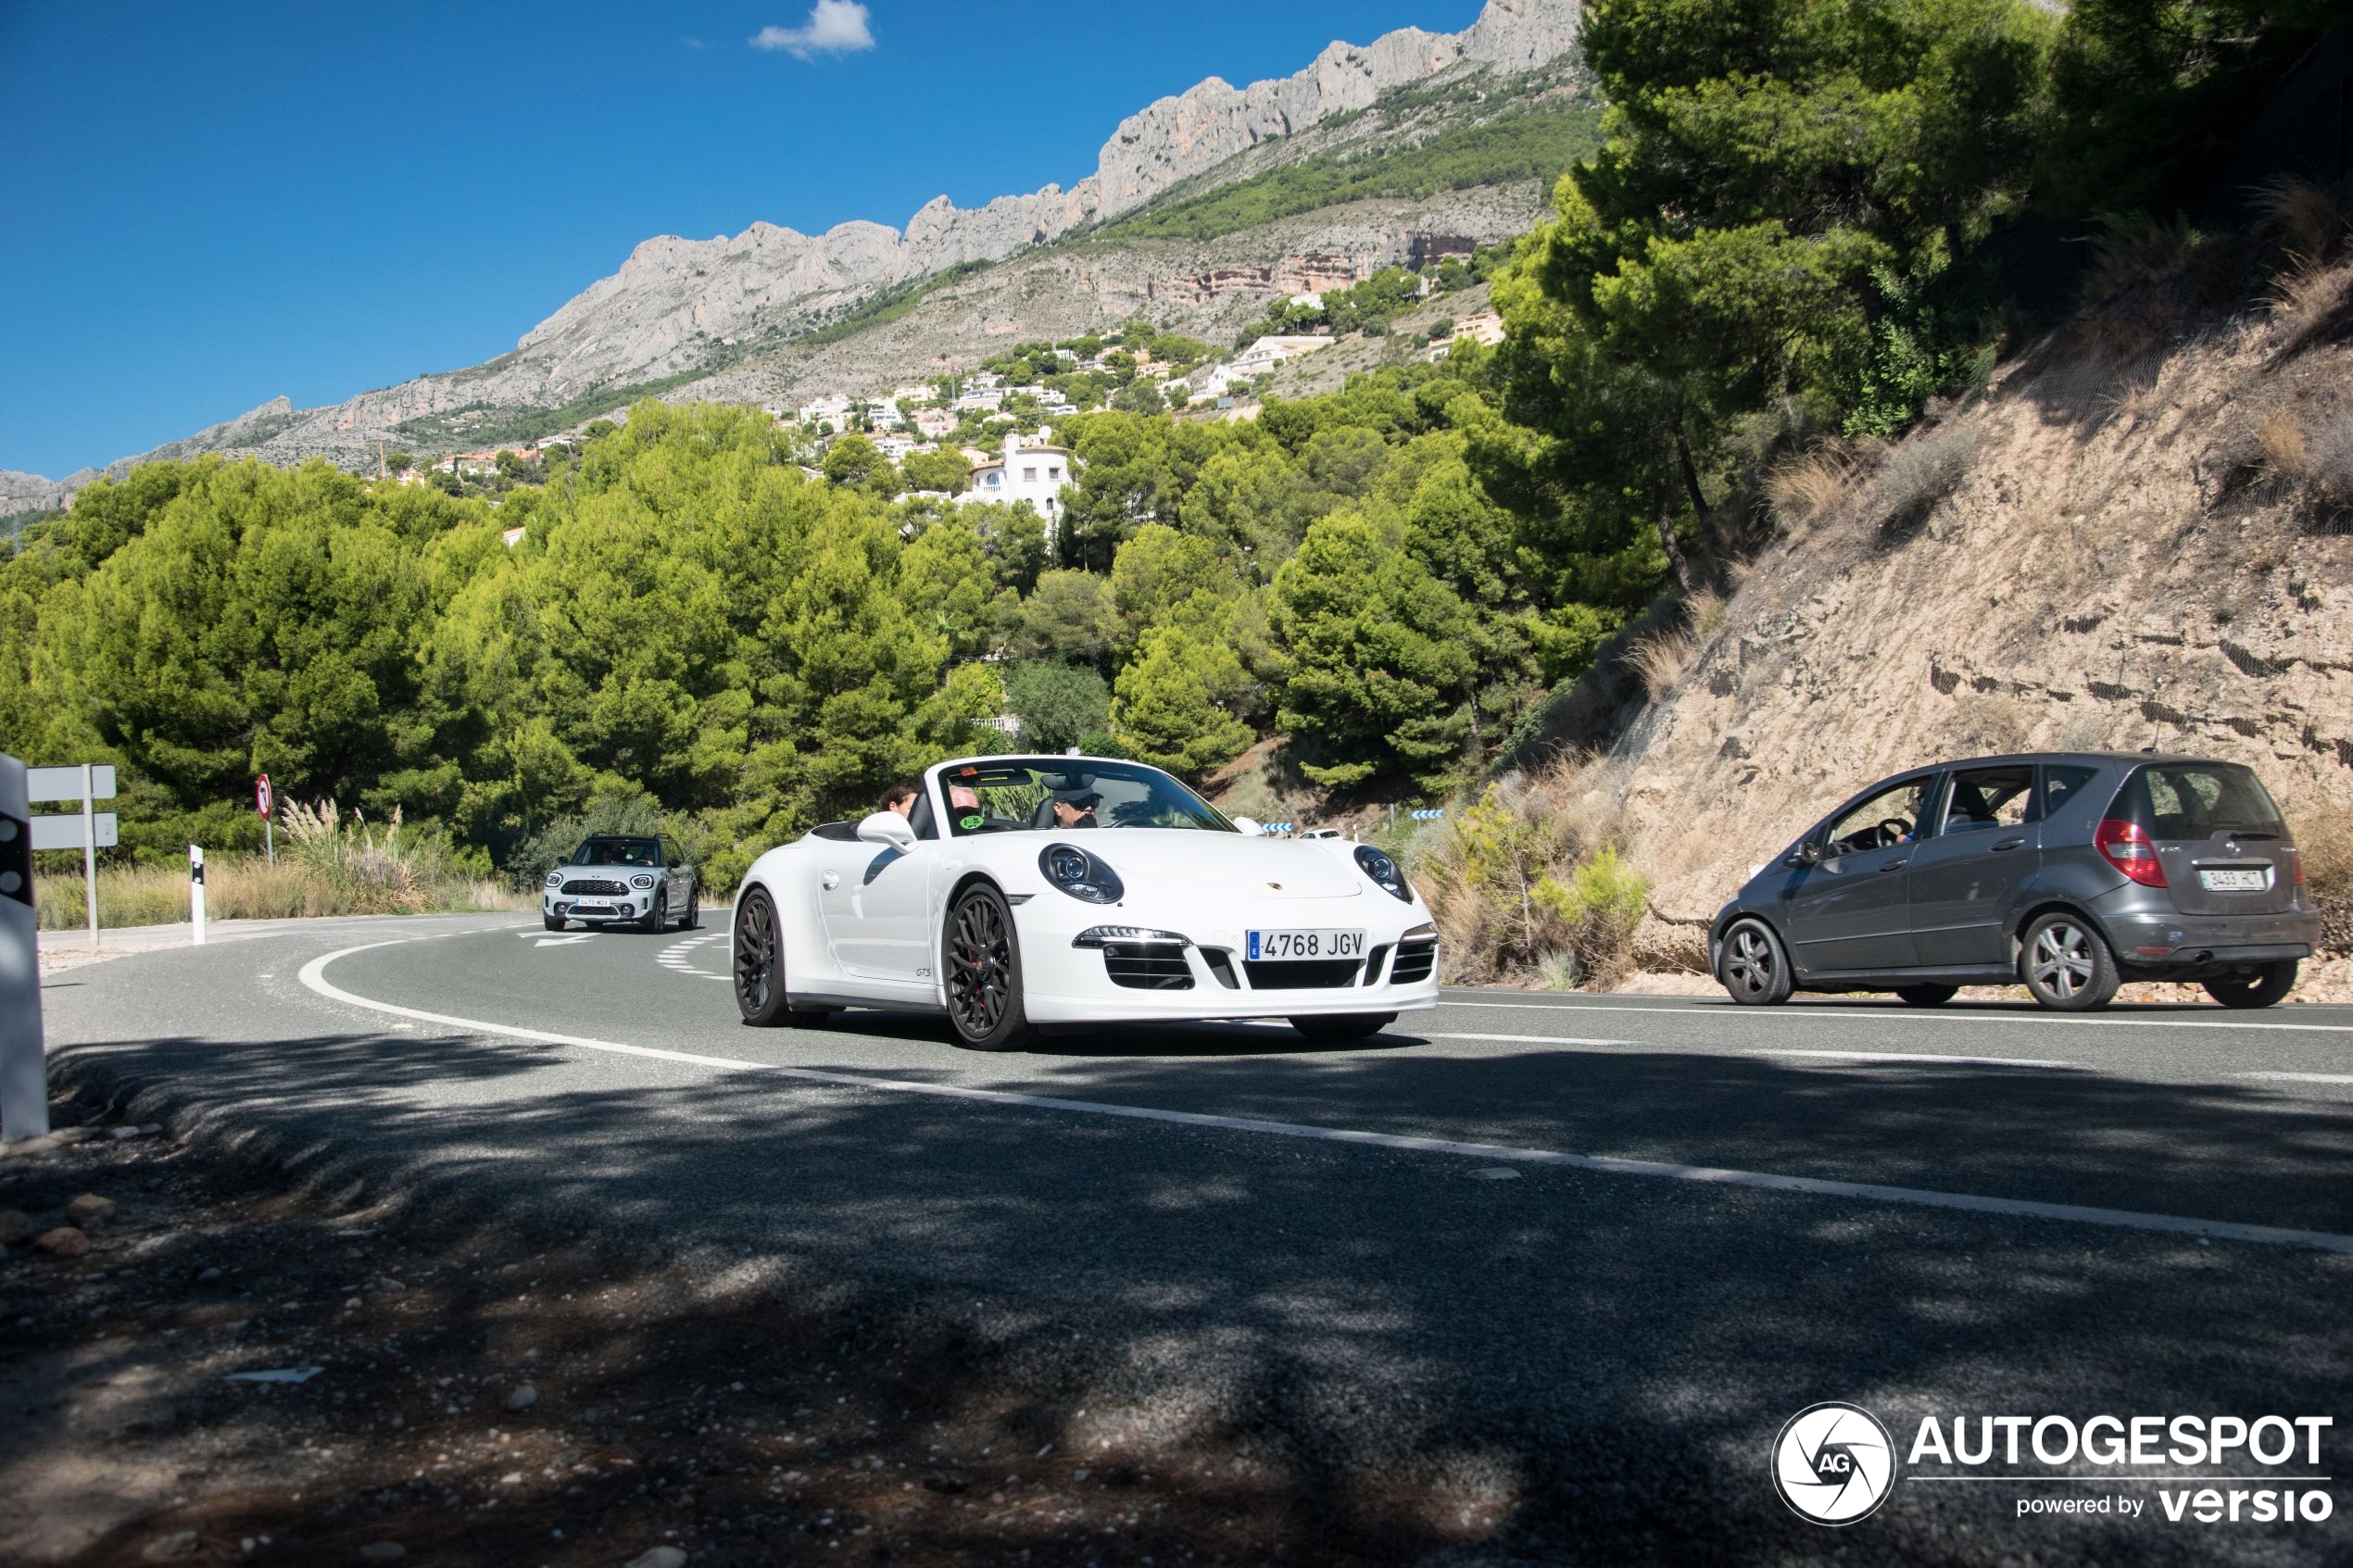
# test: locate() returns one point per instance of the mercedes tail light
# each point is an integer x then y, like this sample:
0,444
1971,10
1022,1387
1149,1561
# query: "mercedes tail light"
2128,847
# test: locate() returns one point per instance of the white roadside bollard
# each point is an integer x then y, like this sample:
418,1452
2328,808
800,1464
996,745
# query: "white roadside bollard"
24,1071
196,891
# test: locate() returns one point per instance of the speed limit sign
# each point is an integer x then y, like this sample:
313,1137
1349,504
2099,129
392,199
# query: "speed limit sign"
261,795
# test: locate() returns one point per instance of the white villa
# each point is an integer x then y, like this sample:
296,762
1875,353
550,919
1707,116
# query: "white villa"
1269,352
1032,470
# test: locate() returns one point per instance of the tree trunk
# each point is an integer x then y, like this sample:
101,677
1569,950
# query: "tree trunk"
1691,471
1666,541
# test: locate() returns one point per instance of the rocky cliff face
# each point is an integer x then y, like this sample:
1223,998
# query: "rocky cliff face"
678,307
2120,547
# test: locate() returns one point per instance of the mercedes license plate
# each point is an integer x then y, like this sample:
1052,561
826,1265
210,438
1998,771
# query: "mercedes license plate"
2255,880
1274,947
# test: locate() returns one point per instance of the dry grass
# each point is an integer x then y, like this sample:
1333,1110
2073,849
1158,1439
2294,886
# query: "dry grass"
241,890
2323,833
2308,455
1662,659
2309,302
1919,474
1804,490
2308,222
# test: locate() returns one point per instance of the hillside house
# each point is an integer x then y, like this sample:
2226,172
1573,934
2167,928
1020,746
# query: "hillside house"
933,424
1031,469
1270,351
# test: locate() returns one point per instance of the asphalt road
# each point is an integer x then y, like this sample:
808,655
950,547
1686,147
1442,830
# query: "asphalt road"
1582,1255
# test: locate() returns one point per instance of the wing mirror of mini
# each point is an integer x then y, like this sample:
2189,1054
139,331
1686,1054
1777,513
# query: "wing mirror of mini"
887,827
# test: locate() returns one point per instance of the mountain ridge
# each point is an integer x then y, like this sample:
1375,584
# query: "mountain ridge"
679,311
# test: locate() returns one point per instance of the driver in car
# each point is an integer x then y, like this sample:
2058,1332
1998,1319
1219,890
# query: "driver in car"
1077,811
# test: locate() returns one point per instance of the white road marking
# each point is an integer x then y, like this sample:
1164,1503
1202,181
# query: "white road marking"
1845,1012
1765,1050
314,976
562,941
1924,1055
2302,1077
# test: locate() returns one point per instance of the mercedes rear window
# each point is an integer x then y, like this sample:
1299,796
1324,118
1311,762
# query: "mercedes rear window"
2176,800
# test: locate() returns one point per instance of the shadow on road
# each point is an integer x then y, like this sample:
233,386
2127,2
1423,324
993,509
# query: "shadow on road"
1565,1365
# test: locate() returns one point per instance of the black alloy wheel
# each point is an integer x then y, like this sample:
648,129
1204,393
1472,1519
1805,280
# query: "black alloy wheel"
1753,967
693,907
760,962
658,910
982,956
1343,1025
553,922
2270,983
1927,996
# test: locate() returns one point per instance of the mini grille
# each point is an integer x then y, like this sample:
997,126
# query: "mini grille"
596,887
1415,961
1303,975
1148,966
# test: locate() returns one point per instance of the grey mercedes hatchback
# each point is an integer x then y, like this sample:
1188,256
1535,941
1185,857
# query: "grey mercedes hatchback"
2069,872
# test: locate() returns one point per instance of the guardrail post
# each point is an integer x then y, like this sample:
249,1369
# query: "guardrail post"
195,892
24,1068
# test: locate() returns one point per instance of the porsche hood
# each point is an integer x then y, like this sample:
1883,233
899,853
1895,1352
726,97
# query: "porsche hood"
1183,860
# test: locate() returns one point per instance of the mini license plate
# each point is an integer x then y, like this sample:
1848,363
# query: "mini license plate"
2253,881
1274,947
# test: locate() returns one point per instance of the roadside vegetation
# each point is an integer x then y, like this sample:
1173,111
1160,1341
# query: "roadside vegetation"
326,865
1428,585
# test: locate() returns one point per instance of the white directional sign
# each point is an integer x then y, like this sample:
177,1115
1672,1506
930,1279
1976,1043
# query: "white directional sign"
65,833
65,784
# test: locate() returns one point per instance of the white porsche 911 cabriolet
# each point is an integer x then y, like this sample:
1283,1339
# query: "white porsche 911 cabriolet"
1021,891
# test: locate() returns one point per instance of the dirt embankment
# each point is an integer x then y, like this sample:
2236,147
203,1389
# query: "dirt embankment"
2126,542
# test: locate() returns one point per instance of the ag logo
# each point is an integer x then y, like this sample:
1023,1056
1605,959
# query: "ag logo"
1833,1463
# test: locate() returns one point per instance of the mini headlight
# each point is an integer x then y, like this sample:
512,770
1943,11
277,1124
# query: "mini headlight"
641,880
1081,874
1384,873
554,877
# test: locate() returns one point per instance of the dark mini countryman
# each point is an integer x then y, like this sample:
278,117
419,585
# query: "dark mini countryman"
2069,872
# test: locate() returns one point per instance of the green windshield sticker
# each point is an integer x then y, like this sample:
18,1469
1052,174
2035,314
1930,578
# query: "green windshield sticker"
969,821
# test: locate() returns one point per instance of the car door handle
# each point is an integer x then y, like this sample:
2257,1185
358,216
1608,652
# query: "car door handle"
832,880
1897,865
2008,843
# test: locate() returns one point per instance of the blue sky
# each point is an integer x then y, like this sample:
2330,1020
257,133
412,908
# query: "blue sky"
203,205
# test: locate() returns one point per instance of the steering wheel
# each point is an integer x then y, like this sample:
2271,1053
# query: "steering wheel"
1891,830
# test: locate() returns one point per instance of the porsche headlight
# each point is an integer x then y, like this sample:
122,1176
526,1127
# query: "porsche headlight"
641,880
1384,873
1081,874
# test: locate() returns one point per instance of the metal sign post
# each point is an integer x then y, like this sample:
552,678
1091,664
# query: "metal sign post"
94,830
195,892
261,800
24,1070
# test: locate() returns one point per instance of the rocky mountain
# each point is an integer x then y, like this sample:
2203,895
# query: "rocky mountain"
731,316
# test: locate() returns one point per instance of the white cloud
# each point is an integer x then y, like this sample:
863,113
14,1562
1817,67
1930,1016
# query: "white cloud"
836,27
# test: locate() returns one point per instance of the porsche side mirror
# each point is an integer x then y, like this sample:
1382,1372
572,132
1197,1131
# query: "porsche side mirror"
1249,826
887,827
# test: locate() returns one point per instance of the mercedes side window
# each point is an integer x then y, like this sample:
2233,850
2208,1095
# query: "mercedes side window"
1989,797
1891,817
2061,783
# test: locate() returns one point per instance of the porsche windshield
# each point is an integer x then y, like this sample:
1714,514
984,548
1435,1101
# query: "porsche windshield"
1025,795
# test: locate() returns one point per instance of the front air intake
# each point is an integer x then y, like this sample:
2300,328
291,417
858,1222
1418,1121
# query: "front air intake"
1415,961
1300,974
1148,966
